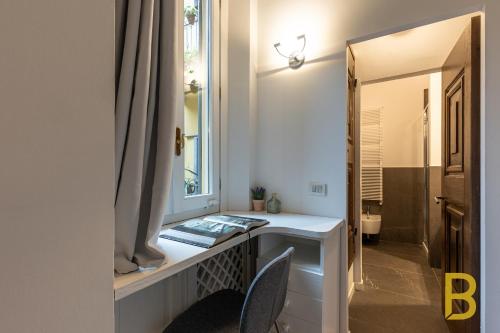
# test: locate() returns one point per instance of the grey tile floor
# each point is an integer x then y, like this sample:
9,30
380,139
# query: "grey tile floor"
401,292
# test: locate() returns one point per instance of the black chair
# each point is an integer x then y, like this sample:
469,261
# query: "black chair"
228,311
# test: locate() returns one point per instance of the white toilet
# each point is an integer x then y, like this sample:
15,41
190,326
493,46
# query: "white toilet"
371,224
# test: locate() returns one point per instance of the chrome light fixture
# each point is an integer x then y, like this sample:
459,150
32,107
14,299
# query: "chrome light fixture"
296,58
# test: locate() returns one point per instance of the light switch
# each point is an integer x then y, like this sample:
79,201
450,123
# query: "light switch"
318,189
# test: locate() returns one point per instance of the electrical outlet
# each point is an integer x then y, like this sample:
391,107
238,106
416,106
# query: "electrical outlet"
212,203
318,189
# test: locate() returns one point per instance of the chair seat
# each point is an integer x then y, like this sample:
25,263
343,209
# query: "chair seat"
217,313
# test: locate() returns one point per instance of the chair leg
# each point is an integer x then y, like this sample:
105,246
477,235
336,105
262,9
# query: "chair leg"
277,327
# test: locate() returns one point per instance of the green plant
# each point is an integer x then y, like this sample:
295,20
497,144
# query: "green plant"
258,193
194,86
190,186
191,12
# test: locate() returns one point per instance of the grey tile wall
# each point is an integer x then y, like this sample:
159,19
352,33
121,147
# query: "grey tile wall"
403,206
434,217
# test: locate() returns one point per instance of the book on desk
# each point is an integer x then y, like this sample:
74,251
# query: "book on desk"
212,230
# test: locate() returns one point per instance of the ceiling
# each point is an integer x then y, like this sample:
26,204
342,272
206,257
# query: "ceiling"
415,50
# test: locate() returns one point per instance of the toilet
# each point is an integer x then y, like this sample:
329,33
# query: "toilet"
371,224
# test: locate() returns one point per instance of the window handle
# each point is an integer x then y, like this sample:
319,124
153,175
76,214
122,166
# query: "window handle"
179,141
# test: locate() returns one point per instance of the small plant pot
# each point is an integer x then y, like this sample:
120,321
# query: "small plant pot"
193,86
191,18
258,205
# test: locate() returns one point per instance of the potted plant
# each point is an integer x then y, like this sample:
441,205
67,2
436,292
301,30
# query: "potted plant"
190,12
258,195
194,86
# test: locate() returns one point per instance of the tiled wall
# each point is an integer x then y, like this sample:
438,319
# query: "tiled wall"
403,206
434,217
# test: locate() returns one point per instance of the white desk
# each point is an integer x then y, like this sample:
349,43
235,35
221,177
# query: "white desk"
329,232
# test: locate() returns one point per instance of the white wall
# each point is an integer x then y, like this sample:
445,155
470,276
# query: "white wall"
152,309
296,141
241,110
300,132
402,103
313,100
435,119
56,175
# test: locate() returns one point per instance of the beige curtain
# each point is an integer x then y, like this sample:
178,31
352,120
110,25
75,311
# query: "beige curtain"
146,67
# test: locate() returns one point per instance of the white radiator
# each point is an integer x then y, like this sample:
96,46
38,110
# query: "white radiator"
371,155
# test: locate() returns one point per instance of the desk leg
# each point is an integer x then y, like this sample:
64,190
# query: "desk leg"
344,288
334,264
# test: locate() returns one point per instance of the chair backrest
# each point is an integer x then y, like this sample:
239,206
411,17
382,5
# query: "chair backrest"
266,296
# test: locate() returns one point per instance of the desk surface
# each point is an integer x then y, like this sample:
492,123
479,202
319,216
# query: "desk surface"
181,256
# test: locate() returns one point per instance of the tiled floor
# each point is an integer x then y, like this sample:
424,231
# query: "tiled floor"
401,292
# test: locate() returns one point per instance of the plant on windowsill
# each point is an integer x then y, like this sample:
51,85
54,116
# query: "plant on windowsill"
194,86
258,195
190,186
190,12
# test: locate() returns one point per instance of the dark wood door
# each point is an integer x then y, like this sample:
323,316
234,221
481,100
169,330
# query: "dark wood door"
461,174
351,196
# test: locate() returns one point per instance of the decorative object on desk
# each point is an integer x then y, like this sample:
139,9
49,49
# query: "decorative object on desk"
211,230
190,12
274,205
258,195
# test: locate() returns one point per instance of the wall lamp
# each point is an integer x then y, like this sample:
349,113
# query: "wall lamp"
296,58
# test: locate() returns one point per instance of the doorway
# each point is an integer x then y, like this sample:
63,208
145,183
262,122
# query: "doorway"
415,210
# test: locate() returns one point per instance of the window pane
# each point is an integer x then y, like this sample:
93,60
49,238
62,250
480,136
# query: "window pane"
196,97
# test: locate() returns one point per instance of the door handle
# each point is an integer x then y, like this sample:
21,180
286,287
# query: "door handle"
179,141
438,199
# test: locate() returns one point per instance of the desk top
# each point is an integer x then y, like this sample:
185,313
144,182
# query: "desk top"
181,256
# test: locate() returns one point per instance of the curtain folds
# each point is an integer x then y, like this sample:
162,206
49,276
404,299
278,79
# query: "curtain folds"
146,81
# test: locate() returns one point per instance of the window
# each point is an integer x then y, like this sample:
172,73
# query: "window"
195,185
196,115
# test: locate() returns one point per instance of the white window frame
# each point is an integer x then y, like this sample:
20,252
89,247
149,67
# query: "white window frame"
181,207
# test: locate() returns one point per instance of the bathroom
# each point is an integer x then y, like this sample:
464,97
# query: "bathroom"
409,142
400,159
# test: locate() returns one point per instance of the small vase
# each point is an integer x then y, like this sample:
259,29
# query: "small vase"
274,205
258,205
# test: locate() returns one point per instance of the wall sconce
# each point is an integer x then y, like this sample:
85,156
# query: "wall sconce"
296,58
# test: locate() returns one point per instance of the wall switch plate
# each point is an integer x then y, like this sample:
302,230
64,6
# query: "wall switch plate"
318,189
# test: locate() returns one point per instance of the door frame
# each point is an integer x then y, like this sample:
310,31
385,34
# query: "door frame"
357,278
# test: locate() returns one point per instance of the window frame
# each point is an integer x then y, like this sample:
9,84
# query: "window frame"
181,207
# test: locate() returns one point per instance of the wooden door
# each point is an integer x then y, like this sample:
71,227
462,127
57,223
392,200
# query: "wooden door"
351,197
461,170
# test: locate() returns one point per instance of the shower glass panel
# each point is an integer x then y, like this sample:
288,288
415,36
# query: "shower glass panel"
426,167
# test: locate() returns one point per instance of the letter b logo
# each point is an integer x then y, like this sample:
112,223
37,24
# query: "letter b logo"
465,296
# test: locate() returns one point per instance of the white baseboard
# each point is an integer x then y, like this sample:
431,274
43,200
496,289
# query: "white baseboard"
359,285
351,292
356,286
